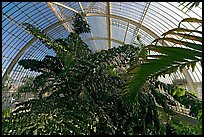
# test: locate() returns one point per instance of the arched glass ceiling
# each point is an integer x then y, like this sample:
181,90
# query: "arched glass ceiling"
112,25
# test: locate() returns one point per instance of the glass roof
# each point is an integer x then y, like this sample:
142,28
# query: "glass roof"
112,25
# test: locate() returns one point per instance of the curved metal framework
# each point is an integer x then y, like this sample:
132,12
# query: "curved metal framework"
123,20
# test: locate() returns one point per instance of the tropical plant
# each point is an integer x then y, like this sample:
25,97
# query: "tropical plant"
168,60
86,90
178,128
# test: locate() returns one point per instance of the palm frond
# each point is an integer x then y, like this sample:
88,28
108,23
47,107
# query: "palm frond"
169,61
186,36
189,5
191,20
182,30
187,44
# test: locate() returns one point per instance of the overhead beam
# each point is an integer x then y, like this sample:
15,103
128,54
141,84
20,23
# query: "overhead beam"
57,15
126,32
102,38
65,17
57,3
137,30
109,28
81,7
154,35
90,6
65,6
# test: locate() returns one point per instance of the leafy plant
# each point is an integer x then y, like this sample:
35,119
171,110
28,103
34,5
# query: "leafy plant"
186,98
178,128
168,60
86,91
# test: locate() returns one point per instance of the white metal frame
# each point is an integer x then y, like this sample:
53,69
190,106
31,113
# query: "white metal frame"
109,28
101,38
58,16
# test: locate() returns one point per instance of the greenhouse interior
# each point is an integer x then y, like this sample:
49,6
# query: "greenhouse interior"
102,68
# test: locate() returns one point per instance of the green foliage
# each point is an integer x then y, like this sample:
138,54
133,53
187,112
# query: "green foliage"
48,64
80,25
4,87
178,128
168,61
56,46
86,79
27,86
189,5
186,98
86,90
63,113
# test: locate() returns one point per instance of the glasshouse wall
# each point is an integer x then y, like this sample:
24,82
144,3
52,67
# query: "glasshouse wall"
134,80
